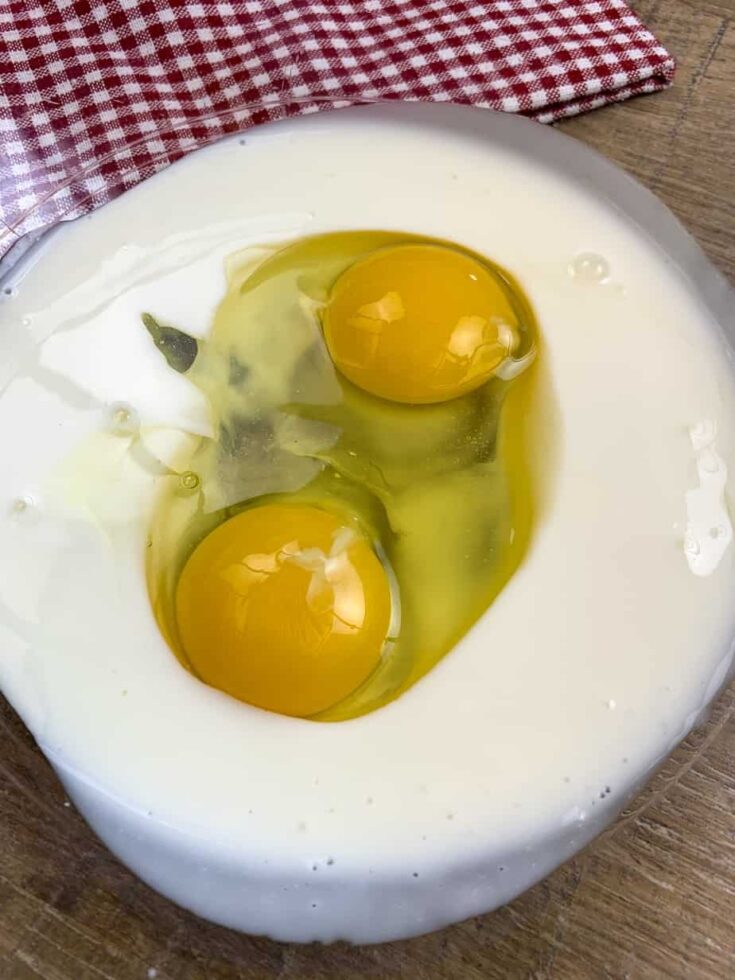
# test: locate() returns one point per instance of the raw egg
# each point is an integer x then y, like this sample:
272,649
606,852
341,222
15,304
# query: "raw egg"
419,323
285,607
369,400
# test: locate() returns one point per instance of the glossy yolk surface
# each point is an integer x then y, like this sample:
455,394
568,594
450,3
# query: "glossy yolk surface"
418,323
284,607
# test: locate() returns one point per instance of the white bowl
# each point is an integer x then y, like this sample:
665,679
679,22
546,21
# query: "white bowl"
229,886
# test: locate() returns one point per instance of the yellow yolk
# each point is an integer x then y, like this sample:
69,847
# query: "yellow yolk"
418,323
284,607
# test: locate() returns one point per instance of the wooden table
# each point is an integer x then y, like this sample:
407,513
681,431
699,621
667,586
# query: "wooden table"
653,899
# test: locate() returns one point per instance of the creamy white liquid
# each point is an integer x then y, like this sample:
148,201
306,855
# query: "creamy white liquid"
593,662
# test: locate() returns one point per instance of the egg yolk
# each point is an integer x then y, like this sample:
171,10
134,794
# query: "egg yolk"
418,323
285,607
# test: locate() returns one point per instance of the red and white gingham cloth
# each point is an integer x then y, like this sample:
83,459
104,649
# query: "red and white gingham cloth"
96,95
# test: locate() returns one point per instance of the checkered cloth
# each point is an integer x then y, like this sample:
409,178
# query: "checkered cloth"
96,95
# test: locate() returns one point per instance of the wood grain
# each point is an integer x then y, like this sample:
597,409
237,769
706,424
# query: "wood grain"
653,899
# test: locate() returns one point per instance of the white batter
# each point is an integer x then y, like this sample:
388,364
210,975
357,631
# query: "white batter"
589,667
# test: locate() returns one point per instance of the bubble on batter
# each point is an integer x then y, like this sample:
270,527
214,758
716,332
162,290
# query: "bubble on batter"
24,510
189,481
124,419
589,267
